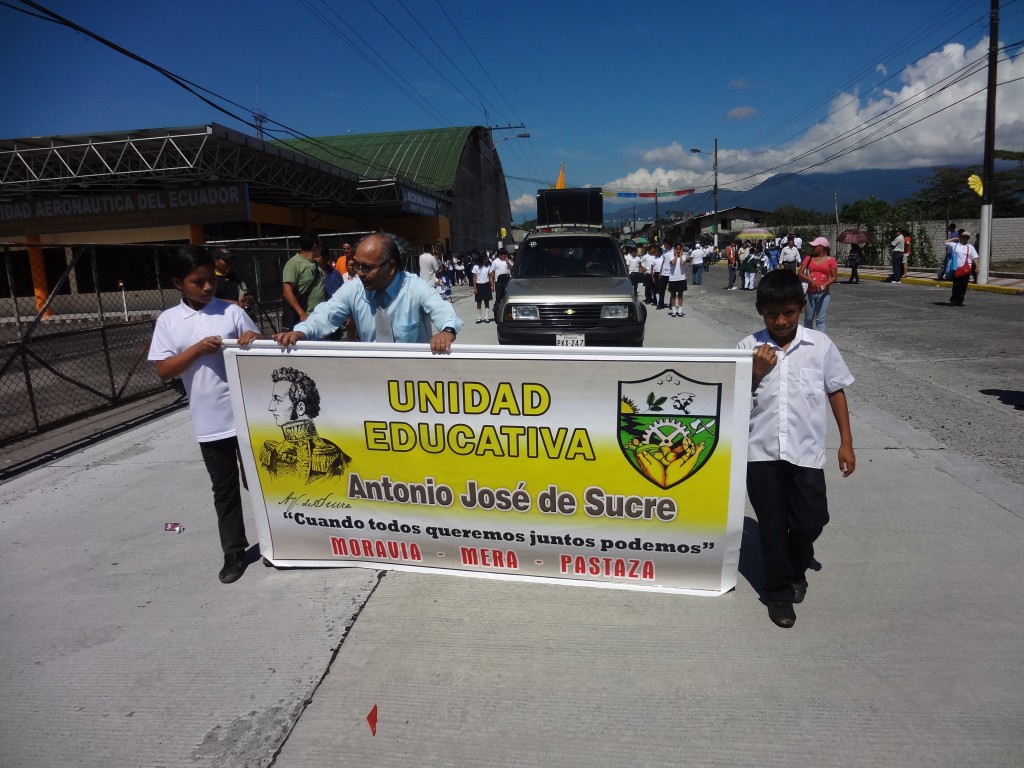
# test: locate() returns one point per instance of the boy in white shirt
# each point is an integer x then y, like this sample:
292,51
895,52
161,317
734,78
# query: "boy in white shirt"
796,370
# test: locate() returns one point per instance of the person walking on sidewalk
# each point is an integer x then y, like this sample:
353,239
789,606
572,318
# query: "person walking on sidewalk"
697,257
749,264
898,246
187,343
962,259
732,260
819,271
795,370
853,262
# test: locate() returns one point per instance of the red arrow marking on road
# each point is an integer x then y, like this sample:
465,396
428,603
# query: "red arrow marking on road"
372,720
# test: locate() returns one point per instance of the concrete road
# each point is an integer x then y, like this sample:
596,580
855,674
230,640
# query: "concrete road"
119,646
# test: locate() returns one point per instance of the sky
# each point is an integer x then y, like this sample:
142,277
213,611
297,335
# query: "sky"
619,92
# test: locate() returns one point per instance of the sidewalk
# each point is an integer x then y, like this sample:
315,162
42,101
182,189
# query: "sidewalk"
121,648
1008,285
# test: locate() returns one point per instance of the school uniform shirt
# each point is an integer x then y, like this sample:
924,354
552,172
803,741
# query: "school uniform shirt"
666,264
633,264
790,406
677,272
205,380
500,267
789,255
482,274
646,261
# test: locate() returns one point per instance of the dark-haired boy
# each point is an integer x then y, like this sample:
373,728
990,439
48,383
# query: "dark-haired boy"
796,370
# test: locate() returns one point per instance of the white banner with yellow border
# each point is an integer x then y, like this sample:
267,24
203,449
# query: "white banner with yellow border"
614,468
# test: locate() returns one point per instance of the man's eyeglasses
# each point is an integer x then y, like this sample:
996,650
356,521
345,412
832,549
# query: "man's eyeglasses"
365,269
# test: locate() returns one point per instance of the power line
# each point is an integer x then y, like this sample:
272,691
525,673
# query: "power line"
195,89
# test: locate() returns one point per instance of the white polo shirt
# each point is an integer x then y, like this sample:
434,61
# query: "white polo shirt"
206,381
790,407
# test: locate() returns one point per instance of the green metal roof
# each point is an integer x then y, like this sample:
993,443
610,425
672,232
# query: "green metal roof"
429,157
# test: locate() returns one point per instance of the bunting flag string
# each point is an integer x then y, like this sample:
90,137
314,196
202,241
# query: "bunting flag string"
647,195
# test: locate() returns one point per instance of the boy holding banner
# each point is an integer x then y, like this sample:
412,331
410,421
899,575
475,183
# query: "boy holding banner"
795,370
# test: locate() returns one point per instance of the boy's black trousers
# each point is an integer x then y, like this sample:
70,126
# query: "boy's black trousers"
221,459
791,509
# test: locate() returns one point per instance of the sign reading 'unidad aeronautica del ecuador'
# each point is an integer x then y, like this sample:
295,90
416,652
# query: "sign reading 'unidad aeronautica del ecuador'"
623,468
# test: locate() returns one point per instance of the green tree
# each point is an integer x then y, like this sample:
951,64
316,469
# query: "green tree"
787,217
947,196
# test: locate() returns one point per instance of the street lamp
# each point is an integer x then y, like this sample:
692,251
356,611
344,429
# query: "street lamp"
714,224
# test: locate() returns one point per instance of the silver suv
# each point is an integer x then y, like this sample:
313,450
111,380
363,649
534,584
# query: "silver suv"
570,289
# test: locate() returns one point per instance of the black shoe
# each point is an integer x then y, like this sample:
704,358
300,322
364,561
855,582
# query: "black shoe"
799,590
234,567
782,614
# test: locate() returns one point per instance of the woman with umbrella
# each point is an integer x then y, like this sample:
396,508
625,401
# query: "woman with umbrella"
855,238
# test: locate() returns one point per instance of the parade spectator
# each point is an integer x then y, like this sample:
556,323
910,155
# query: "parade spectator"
333,280
646,265
483,287
789,256
795,369
501,269
428,267
659,274
697,256
341,263
774,253
230,287
302,283
898,246
386,303
819,271
853,262
633,265
962,258
749,264
187,343
732,260
676,281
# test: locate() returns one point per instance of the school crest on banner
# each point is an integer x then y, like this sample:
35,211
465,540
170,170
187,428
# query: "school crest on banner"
668,425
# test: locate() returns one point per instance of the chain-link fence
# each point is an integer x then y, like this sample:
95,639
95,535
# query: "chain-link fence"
76,322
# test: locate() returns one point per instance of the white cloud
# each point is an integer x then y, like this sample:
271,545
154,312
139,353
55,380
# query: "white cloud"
952,137
882,70
524,204
741,113
739,83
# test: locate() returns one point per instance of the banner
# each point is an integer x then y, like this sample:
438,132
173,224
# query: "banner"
622,468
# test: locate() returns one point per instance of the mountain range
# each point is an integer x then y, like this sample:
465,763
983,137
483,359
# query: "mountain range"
812,191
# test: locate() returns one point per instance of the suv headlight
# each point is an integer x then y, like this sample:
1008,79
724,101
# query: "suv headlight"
524,312
615,312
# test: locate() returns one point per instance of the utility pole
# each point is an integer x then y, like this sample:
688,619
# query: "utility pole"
988,169
714,222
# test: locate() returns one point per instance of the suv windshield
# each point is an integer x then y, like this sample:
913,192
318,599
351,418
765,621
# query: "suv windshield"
568,256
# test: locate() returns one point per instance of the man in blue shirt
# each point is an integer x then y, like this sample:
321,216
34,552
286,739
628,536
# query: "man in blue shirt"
385,303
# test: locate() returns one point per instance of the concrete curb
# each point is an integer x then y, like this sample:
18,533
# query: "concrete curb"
1010,290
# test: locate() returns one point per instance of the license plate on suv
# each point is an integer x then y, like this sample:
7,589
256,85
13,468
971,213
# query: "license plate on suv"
570,340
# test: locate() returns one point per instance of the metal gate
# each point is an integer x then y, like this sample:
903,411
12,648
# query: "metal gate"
76,322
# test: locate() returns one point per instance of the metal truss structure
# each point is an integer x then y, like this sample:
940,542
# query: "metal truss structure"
183,157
